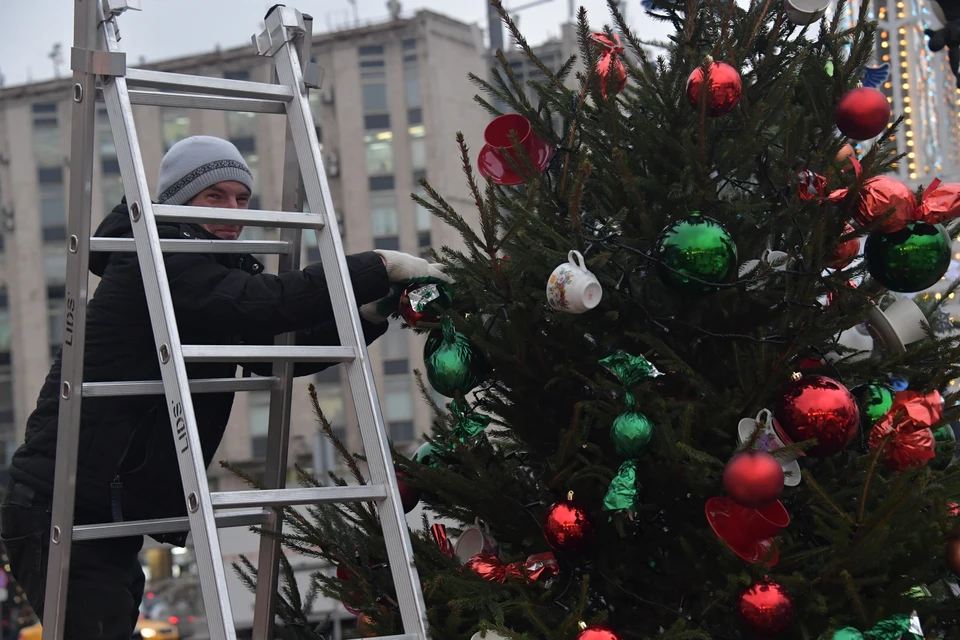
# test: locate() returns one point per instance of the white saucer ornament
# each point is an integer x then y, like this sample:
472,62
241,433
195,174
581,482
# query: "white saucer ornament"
804,12
771,442
856,339
487,635
898,326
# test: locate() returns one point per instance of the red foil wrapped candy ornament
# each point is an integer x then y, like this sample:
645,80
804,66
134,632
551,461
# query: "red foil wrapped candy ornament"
766,608
845,252
886,199
610,69
818,407
905,430
567,527
536,567
725,88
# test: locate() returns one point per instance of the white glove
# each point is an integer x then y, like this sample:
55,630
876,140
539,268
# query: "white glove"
402,267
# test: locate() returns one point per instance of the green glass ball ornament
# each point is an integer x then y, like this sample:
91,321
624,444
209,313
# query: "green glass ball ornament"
696,254
426,454
630,433
874,401
455,365
847,633
909,260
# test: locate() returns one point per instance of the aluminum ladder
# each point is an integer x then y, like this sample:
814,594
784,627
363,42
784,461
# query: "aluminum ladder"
100,72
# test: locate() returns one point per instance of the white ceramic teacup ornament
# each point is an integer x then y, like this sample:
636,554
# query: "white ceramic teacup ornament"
898,326
572,288
487,635
474,541
787,459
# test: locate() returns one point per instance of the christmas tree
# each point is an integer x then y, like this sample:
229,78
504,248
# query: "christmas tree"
690,393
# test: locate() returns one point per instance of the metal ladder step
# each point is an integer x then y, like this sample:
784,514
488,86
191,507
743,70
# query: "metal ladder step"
296,496
224,519
199,385
265,353
247,217
201,101
110,245
146,78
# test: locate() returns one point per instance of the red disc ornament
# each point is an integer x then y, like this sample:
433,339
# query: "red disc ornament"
597,632
725,88
818,407
862,113
766,608
845,252
753,479
409,495
567,527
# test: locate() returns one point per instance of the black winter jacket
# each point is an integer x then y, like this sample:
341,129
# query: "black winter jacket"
127,441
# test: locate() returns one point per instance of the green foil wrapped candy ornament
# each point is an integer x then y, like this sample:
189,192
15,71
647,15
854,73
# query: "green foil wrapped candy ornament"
455,365
622,492
909,260
696,254
630,433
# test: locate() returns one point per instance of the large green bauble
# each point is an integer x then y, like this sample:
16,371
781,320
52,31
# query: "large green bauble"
696,254
909,260
874,400
454,364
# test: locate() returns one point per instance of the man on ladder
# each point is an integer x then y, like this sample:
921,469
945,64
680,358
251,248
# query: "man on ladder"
127,465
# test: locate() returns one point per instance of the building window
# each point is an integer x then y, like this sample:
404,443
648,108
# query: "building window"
53,207
374,94
241,124
418,148
387,243
422,216
393,344
175,125
316,110
396,367
258,416
111,187
383,214
379,153
46,137
381,183
398,408
330,398
409,44
423,239
375,98
242,74
4,326
414,116
55,264
411,82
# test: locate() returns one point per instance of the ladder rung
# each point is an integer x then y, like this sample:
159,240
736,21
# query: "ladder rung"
194,246
199,385
225,520
202,101
248,217
265,353
207,84
289,497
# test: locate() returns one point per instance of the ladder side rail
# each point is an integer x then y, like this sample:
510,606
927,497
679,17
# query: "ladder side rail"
278,430
71,377
359,372
172,366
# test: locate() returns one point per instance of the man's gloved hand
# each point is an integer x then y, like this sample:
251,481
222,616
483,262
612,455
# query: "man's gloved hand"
402,267
403,270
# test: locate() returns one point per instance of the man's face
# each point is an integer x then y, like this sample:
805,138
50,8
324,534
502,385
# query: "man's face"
223,195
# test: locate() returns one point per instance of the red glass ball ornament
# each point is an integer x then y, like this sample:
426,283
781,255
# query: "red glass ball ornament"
567,527
845,252
766,607
409,495
818,407
725,89
862,113
951,556
753,479
597,632
352,598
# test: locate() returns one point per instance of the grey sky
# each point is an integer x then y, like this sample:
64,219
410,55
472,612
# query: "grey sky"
170,28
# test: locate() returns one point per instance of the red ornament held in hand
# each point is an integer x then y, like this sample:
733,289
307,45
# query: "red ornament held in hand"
818,407
596,632
766,607
753,479
567,527
725,88
862,113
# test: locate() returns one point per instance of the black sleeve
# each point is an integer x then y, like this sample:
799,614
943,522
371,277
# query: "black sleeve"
321,335
208,295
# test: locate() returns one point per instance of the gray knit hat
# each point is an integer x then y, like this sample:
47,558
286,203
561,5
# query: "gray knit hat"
196,163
